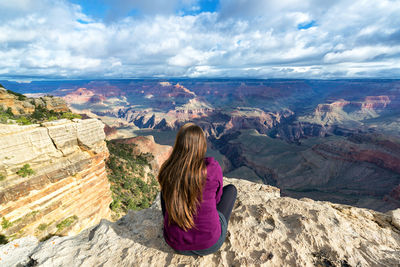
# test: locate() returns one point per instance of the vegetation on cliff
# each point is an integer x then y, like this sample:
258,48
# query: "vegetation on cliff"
132,184
25,171
38,112
65,223
21,97
41,114
5,223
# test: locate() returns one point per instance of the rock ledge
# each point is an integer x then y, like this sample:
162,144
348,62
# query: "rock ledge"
264,230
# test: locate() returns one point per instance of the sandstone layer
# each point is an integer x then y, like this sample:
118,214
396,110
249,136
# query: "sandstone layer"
264,230
24,105
68,190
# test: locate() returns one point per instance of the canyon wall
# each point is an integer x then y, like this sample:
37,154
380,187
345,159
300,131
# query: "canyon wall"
147,144
53,178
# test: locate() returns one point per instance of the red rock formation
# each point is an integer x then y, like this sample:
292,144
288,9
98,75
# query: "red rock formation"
376,102
80,96
381,159
184,89
110,131
254,119
353,153
336,105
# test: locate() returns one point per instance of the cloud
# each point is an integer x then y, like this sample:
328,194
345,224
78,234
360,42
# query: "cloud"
121,8
362,54
263,39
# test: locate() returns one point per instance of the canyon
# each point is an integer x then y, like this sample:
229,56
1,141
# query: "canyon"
66,190
324,139
328,140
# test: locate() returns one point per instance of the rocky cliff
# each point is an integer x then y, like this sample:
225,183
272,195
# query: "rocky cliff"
20,104
146,144
132,168
53,178
342,111
264,230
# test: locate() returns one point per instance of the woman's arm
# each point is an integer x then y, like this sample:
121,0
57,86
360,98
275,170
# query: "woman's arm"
218,172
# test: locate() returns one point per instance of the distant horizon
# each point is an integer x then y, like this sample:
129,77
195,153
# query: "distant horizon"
46,86
189,78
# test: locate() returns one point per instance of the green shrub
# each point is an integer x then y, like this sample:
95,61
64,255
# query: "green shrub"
9,112
42,226
6,115
33,213
6,223
52,118
25,171
131,205
70,116
115,205
2,177
39,113
24,120
66,222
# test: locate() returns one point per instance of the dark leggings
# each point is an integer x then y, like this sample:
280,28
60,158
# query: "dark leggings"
224,206
227,201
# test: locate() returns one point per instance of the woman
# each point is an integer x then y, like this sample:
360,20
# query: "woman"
195,206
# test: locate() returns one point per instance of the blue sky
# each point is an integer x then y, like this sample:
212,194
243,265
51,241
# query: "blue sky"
103,9
61,39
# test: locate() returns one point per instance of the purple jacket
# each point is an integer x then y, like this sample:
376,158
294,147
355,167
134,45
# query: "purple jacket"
207,228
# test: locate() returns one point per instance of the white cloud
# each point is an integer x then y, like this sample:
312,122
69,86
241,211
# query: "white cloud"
361,54
46,38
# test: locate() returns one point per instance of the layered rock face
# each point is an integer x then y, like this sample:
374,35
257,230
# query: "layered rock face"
151,118
264,230
68,189
23,105
342,111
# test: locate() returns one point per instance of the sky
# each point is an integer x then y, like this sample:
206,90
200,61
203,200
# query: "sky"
319,39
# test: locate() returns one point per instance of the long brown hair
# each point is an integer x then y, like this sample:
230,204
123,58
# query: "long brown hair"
183,174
